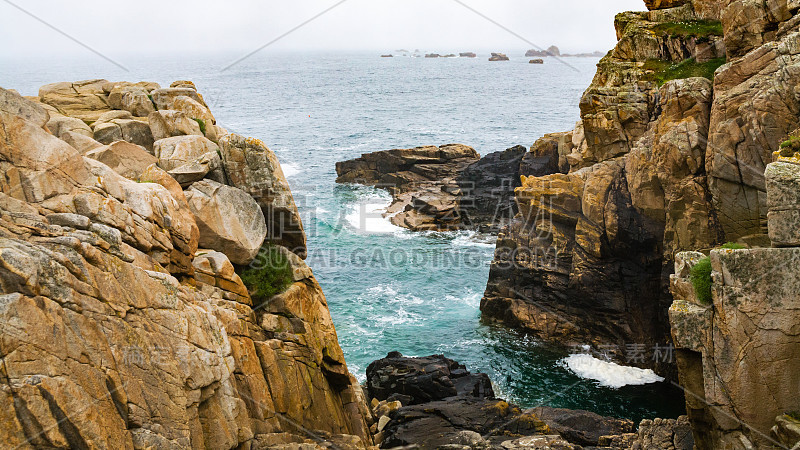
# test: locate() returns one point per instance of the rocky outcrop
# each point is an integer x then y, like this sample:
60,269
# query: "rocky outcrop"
738,355
584,261
551,51
229,220
499,57
434,401
118,332
253,168
658,164
444,188
756,105
413,381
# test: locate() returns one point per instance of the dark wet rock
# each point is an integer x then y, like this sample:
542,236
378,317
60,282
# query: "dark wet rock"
421,380
582,427
444,422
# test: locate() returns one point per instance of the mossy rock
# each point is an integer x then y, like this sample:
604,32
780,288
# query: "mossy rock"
268,275
661,72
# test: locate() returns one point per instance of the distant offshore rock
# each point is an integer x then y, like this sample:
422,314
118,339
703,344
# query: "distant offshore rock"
387,56
554,51
433,55
499,57
468,55
536,61
551,51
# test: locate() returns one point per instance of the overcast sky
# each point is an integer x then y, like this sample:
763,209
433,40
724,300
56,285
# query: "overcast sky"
168,26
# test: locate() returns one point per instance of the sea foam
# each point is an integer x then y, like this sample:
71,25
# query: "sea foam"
607,373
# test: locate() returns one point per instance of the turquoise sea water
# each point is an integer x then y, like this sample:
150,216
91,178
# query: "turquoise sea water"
390,289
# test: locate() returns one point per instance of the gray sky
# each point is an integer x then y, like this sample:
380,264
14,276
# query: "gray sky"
166,26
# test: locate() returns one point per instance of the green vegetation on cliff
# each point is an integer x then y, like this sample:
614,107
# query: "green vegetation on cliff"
690,28
701,280
202,125
268,275
661,71
700,275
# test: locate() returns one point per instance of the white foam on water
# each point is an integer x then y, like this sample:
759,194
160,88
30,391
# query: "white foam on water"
366,215
471,299
474,239
290,169
607,373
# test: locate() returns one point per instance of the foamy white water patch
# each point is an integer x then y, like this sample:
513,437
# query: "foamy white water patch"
366,215
607,373
290,169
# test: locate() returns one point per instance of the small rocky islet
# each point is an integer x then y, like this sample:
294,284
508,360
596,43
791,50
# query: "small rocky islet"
142,271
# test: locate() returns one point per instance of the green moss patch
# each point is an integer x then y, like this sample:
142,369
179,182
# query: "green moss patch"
690,28
733,246
701,280
268,275
663,71
202,124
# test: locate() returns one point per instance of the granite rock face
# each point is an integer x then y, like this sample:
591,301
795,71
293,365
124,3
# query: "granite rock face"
655,167
737,358
118,332
254,168
584,262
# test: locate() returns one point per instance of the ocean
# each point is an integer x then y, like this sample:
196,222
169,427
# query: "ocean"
388,288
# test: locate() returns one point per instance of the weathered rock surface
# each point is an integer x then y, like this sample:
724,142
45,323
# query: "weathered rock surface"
83,100
254,168
165,98
582,427
169,123
116,332
189,158
229,220
128,160
737,357
434,401
129,130
756,105
584,262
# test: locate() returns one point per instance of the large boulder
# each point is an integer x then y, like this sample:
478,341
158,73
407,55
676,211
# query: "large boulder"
414,380
128,160
230,221
189,158
165,98
200,113
253,168
128,130
79,142
169,123
83,100
132,98
15,104
59,125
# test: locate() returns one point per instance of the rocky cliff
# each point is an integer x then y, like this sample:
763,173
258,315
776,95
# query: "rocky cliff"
739,345
676,129
128,221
